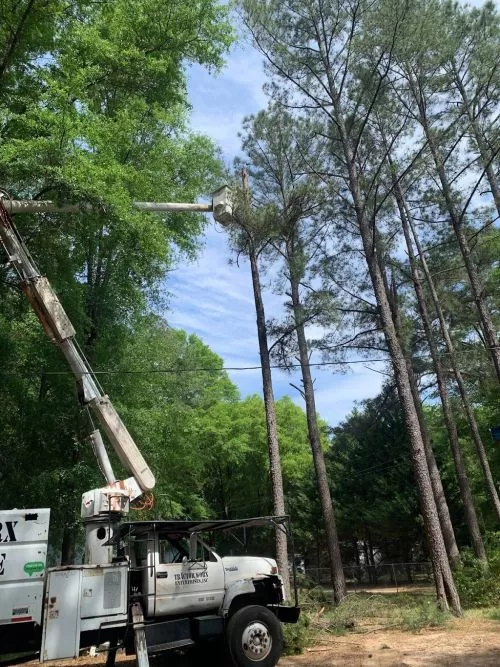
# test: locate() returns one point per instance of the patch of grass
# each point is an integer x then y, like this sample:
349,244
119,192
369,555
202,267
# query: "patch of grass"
424,617
494,614
364,612
360,613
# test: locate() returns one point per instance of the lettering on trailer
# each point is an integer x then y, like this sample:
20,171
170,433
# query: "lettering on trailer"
191,578
7,533
2,562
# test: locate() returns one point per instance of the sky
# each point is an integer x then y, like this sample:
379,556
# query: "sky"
214,299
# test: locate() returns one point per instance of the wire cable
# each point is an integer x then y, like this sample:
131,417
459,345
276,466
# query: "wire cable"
174,371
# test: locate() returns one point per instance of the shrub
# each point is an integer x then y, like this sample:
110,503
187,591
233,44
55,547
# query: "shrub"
315,597
296,636
479,587
425,616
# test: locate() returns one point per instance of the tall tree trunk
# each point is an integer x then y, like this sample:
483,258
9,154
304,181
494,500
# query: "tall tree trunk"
486,159
476,436
477,288
435,477
267,388
336,569
435,540
462,477
272,431
368,567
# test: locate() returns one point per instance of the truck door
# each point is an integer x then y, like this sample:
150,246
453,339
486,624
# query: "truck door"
184,585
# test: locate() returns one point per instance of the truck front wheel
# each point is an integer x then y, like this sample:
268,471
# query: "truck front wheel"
254,637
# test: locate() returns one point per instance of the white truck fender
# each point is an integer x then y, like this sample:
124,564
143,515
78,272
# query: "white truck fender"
235,588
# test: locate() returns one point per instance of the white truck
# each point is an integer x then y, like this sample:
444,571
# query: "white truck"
149,587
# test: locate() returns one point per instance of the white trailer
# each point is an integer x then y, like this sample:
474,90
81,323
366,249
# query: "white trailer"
23,556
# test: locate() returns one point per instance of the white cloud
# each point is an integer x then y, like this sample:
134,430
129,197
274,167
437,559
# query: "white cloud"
336,394
214,300
221,102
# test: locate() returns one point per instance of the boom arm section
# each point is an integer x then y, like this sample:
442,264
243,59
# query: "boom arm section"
58,327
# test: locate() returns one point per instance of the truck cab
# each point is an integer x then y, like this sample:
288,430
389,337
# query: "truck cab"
188,593
174,571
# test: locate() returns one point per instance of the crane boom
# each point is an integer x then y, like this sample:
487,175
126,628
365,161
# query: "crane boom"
58,327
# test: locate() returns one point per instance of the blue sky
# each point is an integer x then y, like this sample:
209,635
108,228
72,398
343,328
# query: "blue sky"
214,299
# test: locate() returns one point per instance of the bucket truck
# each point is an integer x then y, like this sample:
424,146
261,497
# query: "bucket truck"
149,587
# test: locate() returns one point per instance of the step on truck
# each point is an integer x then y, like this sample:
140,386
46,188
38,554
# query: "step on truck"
148,587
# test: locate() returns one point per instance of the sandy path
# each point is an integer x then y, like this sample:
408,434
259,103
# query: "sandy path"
463,643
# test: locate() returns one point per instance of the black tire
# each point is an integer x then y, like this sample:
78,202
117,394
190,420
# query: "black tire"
254,637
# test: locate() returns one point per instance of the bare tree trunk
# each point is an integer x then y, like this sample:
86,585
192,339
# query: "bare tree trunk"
486,160
267,388
272,431
477,288
336,569
367,561
476,436
463,480
435,477
435,540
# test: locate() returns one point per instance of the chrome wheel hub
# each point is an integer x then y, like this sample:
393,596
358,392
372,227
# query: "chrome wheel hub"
256,641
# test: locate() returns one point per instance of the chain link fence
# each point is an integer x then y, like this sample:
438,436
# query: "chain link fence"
385,575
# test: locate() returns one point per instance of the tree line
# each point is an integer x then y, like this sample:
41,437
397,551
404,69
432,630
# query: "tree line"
374,174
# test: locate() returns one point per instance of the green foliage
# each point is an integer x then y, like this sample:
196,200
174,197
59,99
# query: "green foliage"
93,108
405,610
297,636
426,616
372,478
477,587
486,411
360,613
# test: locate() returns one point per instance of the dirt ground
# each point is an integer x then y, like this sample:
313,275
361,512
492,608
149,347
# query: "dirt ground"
462,643
466,642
